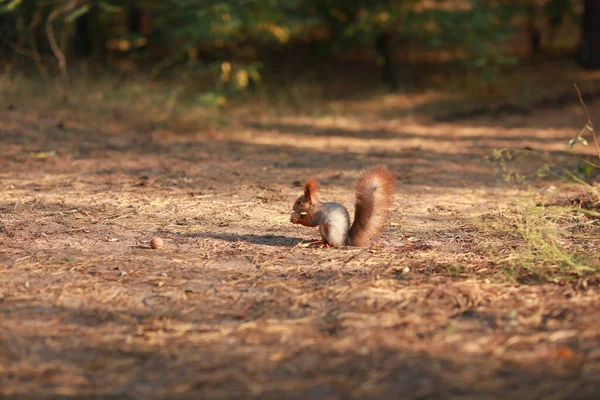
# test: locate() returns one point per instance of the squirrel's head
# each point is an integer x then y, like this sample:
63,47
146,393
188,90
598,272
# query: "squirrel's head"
304,207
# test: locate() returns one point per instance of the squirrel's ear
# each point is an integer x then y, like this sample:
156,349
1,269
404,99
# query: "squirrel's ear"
310,190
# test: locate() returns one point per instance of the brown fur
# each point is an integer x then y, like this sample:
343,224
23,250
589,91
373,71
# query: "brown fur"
374,196
307,203
310,189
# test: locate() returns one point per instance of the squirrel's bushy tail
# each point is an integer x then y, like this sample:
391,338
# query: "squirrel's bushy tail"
374,195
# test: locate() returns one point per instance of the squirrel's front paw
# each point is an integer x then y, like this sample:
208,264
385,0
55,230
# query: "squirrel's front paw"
297,217
319,244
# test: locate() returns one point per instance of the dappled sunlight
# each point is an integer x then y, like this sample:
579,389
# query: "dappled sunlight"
444,138
151,157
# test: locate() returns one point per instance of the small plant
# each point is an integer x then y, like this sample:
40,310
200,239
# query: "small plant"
556,238
506,159
589,127
532,242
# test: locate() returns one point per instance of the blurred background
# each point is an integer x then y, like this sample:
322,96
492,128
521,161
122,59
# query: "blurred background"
223,49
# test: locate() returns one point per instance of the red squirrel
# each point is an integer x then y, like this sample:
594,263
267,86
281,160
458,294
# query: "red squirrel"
374,195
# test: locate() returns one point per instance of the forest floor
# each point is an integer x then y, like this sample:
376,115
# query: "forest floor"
478,288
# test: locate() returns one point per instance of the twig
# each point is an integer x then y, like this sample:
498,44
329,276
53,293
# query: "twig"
589,125
58,53
14,46
591,163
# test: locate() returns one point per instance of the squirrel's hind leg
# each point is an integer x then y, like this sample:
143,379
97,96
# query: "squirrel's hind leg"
334,236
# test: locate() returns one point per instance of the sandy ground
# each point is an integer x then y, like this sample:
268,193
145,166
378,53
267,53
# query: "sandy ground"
232,307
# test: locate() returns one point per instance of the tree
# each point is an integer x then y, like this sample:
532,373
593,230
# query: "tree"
213,33
590,34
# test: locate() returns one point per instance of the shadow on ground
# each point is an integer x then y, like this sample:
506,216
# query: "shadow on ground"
248,361
269,240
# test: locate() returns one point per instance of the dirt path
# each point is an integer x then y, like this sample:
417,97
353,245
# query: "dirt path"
232,308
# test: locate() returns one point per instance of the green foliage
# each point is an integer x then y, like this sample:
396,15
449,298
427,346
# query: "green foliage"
481,30
204,33
577,140
585,169
222,22
556,10
231,79
77,13
9,5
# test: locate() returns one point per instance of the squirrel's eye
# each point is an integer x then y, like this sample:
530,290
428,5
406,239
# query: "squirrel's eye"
298,202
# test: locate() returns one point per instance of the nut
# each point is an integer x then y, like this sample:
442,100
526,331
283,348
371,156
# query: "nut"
156,243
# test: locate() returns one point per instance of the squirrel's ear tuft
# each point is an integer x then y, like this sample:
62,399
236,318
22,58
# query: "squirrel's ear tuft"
310,189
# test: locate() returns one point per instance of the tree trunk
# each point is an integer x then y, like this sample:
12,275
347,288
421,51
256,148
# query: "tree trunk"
89,41
590,34
139,26
97,33
535,37
383,45
82,45
6,25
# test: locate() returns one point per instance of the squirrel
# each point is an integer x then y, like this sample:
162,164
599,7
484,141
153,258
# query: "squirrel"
374,196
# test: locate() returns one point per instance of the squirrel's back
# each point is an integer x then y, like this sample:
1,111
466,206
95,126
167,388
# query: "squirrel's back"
374,196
